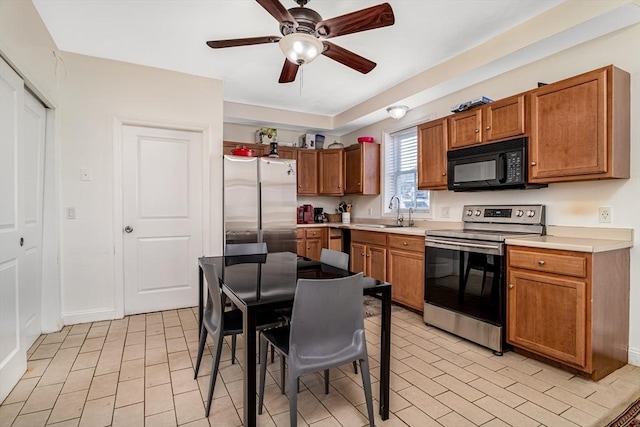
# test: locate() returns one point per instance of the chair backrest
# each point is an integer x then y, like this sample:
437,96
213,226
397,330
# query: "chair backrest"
335,258
327,316
234,249
212,317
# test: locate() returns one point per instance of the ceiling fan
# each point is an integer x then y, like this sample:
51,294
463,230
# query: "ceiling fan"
304,33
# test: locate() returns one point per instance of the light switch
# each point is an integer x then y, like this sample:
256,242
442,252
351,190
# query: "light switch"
85,174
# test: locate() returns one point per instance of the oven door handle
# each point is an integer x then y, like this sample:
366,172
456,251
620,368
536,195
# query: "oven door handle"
495,249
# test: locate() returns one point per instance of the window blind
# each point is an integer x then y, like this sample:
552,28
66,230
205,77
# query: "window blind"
401,171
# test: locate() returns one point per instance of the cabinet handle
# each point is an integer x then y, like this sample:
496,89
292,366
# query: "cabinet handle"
444,173
339,186
308,248
361,254
358,184
488,127
477,130
405,243
541,262
510,285
368,255
300,185
533,163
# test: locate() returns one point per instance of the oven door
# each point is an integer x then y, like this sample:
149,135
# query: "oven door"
466,277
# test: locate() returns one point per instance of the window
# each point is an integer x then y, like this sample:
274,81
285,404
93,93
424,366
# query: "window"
401,172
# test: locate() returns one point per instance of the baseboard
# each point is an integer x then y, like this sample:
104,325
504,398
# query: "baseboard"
89,316
634,356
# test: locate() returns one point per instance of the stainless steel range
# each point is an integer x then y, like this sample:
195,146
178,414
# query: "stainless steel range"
464,288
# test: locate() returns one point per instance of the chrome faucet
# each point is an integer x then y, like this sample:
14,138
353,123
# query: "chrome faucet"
399,219
410,219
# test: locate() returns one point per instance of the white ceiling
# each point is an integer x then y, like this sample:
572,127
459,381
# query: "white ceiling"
171,34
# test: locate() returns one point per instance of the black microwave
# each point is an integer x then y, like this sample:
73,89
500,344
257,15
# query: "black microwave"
494,166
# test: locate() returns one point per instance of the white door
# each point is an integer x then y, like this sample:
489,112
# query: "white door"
162,218
22,128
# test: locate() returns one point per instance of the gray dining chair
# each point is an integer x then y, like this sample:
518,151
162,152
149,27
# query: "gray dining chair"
335,258
219,323
338,260
318,339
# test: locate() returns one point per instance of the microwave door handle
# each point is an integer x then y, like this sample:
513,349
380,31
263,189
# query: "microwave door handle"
501,168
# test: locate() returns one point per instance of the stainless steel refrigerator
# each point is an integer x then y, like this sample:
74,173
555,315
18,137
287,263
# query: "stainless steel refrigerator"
260,202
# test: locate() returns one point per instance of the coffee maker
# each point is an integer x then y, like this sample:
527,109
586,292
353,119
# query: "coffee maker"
318,215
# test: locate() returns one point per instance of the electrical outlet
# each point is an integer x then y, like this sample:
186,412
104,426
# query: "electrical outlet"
370,211
604,214
444,212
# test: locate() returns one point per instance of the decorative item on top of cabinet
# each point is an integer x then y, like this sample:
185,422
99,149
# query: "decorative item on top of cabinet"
432,155
331,172
258,149
571,307
497,120
369,253
307,165
580,128
362,169
406,270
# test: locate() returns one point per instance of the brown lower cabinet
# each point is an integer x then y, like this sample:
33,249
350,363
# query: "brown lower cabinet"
310,242
570,307
396,258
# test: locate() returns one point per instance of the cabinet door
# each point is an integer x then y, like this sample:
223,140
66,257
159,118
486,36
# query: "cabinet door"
432,155
358,258
464,128
301,247
548,315
331,172
353,170
569,128
307,166
504,118
406,274
314,248
377,262
287,153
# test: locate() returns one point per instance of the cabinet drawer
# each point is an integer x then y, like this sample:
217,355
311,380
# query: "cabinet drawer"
408,243
313,233
299,233
370,237
565,263
335,233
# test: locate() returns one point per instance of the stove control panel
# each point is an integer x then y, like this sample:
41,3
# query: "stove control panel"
509,214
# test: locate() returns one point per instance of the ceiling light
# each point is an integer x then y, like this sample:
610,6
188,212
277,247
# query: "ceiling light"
301,48
397,111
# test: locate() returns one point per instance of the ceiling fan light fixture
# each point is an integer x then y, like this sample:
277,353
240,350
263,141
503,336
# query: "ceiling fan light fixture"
300,48
397,111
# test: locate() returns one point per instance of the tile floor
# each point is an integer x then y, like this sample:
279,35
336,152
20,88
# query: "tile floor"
139,371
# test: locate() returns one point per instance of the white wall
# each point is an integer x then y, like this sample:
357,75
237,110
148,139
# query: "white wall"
94,93
568,204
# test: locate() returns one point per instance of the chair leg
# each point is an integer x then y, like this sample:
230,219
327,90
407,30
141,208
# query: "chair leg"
355,367
263,371
273,352
366,382
203,340
233,349
326,381
282,373
214,372
293,399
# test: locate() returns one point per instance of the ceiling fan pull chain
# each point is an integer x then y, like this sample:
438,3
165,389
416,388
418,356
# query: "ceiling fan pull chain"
301,78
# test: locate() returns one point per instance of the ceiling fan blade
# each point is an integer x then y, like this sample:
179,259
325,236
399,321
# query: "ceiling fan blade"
348,58
218,44
278,11
362,20
289,71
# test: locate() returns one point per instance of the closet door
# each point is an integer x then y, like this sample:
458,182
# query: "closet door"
22,127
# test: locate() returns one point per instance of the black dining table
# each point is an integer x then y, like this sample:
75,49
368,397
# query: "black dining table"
266,282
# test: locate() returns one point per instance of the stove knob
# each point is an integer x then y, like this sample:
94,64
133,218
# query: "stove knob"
469,212
519,213
531,214
478,212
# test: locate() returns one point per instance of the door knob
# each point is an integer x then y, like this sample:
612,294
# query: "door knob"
128,229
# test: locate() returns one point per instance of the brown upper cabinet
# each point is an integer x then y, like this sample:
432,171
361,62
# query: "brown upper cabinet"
580,128
497,120
432,155
307,165
331,182
362,169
